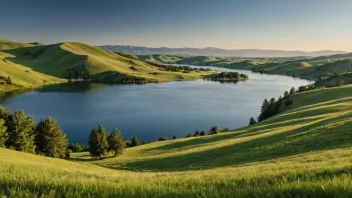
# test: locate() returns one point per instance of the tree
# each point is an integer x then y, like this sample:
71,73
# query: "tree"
197,133
22,133
3,133
50,139
144,142
286,94
174,137
76,147
264,106
6,116
189,135
214,130
202,133
292,91
252,121
98,144
135,141
288,102
225,130
116,143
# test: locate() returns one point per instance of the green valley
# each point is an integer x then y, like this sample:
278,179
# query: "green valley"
304,151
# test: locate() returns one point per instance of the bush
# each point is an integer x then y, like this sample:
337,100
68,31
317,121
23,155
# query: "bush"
214,130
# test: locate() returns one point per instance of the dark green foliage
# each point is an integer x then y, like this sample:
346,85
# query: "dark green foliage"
288,102
174,137
161,139
76,147
68,153
50,140
225,130
269,108
214,130
144,142
227,76
286,95
252,121
306,88
6,116
292,91
135,141
202,133
128,143
22,133
98,144
3,133
197,133
116,143
189,135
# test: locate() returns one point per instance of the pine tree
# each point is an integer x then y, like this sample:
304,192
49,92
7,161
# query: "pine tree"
103,147
93,144
197,133
3,133
202,133
135,141
22,133
292,91
50,140
116,143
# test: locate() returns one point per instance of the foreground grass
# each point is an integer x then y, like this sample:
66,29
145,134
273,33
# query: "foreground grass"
303,152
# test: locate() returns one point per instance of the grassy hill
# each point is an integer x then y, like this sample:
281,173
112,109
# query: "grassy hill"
6,44
30,66
305,151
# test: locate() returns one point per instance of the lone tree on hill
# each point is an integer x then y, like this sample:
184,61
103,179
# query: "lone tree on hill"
214,130
50,140
292,91
116,143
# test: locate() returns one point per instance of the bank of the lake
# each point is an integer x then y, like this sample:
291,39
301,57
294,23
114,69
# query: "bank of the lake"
151,110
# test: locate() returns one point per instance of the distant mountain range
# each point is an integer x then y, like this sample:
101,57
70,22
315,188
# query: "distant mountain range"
209,51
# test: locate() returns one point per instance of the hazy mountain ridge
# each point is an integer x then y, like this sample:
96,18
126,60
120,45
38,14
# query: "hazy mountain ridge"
210,51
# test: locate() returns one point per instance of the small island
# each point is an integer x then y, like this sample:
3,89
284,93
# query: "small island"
227,77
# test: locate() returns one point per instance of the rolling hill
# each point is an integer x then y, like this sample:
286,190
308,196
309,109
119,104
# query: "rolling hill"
305,151
30,66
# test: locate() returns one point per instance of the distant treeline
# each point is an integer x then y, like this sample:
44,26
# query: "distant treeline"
227,76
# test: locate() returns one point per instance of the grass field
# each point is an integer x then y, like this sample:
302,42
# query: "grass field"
305,151
35,65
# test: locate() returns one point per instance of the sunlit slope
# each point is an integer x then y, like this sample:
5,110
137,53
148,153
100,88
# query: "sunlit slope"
56,60
6,44
304,151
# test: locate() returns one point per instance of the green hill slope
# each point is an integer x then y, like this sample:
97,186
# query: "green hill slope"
6,44
305,151
58,62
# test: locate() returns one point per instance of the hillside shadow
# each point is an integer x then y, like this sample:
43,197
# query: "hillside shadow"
298,141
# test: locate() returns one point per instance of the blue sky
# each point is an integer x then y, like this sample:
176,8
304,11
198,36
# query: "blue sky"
232,24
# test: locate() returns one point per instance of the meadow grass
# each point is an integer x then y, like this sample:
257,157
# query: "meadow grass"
305,151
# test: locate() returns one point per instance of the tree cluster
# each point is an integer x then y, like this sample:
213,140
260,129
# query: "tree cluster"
100,143
20,132
227,76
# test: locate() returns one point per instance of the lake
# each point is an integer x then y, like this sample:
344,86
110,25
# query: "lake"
154,110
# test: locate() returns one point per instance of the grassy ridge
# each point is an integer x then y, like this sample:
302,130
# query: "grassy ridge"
305,151
32,65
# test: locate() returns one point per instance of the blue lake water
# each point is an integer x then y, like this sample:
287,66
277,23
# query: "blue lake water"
150,111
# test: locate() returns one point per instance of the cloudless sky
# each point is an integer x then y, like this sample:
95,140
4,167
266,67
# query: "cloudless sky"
231,24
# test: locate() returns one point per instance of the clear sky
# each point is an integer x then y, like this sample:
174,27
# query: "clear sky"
231,24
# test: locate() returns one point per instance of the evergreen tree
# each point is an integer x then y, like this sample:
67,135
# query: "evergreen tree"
116,143
189,135
22,133
135,141
103,147
202,133
144,142
197,133
252,121
174,137
264,106
3,133
76,147
50,140
286,94
93,144
214,130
